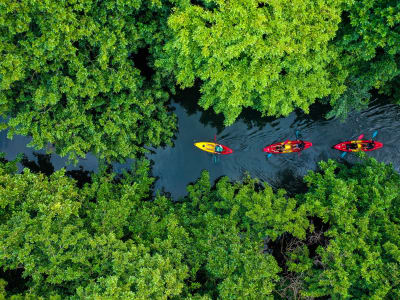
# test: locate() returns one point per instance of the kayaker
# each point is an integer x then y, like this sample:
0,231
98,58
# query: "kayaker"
370,145
301,145
352,146
219,148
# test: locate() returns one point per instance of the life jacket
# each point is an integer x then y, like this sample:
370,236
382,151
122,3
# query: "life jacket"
219,148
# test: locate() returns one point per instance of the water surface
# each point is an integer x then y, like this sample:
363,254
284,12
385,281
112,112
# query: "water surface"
177,166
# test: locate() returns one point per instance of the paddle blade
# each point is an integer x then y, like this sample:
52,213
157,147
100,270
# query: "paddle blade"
360,137
374,134
343,154
297,134
215,138
269,155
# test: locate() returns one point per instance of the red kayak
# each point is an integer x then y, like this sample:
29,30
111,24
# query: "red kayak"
357,146
288,147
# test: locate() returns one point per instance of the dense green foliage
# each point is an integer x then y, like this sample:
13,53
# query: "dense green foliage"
369,46
107,240
90,75
227,227
268,55
68,75
72,241
361,260
275,56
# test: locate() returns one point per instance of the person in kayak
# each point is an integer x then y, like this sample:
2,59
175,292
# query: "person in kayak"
218,148
370,145
352,146
301,145
279,148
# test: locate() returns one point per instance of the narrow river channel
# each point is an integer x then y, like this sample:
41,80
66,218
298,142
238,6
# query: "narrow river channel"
175,167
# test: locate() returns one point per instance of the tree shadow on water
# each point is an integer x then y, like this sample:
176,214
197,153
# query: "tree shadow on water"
188,99
43,165
81,176
286,179
253,118
317,112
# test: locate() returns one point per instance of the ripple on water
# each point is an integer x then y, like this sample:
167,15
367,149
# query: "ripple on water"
177,166
248,142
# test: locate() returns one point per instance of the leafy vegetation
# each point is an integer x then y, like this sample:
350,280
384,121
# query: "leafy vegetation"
369,44
357,256
272,56
72,241
69,76
111,239
95,76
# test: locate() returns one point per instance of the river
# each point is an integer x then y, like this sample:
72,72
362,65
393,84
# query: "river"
175,167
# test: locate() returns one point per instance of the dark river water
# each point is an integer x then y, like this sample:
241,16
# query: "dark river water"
175,167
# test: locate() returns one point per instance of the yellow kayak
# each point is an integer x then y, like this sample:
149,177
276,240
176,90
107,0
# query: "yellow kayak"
210,147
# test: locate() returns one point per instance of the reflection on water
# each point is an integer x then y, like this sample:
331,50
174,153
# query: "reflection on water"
175,167
41,164
38,160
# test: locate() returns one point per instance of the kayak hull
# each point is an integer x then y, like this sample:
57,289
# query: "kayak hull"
210,148
288,147
361,146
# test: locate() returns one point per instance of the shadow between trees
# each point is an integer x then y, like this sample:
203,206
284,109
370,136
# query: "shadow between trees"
43,165
188,98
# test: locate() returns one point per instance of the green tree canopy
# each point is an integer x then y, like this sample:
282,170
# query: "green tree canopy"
106,241
72,241
68,77
361,205
227,227
111,239
369,44
268,55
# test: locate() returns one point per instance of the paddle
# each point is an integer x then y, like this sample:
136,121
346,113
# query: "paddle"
374,134
359,138
215,157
